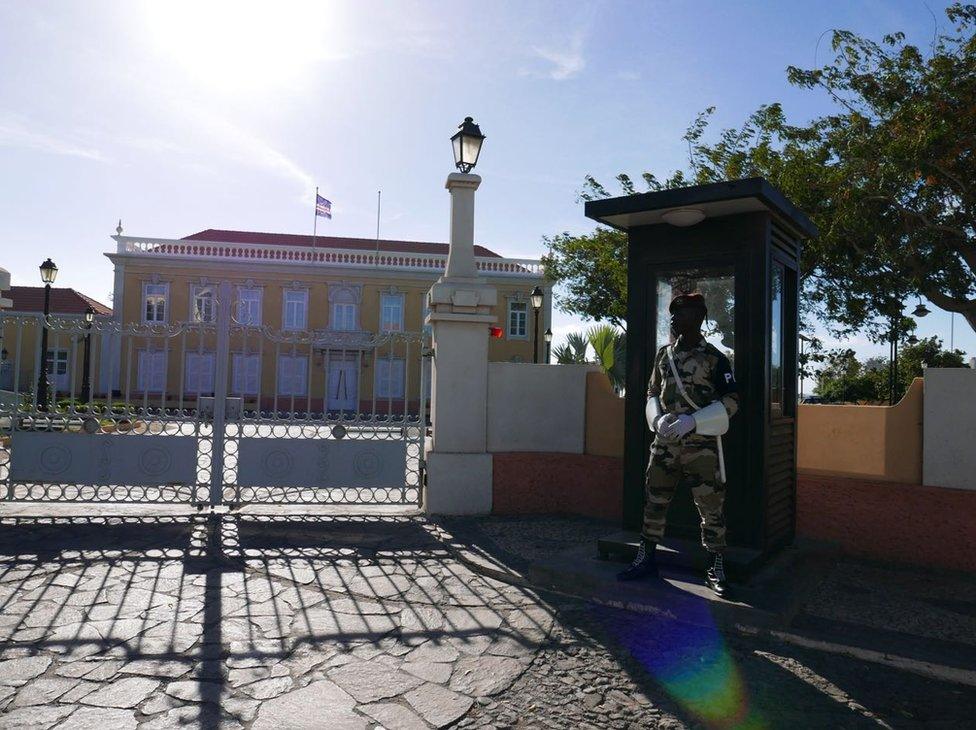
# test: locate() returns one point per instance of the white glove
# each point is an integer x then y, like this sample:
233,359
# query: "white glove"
678,426
660,421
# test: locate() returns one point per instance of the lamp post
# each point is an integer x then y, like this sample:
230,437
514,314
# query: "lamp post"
920,311
892,362
467,143
461,307
536,298
86,368
548,338
49,272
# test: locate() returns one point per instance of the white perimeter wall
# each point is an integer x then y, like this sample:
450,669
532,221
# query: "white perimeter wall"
537,407
949,428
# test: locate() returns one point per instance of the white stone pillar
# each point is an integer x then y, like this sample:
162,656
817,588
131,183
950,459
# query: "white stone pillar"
460,313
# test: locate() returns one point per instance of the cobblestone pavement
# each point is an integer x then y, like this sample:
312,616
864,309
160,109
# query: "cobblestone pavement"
304,623
364,622
608,668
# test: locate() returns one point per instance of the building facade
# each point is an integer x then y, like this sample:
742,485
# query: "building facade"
21,338
330,324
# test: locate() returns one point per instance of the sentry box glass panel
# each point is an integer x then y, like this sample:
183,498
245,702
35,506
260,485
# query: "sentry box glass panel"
738,243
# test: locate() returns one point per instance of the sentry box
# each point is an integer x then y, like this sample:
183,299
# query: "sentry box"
739,244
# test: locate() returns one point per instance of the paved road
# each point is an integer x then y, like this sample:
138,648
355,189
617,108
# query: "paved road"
305,621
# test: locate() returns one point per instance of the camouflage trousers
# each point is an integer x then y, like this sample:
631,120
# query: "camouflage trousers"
694,464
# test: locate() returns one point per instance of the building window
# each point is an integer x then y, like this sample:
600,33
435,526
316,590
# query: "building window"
199,377
295,309
391,312
154,298
518,313
247,374
57,369
292,375
424,311
151,373
249,307
343,316
389,377
202,304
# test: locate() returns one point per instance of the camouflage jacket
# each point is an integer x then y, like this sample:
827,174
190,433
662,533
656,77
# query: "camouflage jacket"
705,373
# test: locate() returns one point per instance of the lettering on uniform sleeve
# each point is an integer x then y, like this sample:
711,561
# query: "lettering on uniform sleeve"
725,379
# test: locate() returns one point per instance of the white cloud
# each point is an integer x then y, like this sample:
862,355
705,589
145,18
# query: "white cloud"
15,133
216,135
247,148
566,61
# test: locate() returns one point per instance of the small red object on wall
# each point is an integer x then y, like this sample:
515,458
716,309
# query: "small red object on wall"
495,332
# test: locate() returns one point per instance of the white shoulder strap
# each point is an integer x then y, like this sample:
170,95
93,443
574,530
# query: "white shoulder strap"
684,394
677,379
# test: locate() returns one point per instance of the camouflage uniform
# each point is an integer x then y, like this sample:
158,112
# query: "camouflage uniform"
692,460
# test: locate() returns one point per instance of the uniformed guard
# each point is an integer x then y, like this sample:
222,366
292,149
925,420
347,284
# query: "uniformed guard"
690,398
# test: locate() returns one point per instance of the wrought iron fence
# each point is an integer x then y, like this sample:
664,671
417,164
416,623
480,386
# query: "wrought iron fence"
238,413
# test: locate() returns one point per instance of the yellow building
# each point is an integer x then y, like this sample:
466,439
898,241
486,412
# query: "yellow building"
330,323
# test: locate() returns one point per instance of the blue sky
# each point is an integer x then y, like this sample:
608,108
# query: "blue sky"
178,116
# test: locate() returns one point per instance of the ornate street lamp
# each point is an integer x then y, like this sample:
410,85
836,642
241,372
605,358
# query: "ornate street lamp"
49,272
86,369
467,143
921,310
536,298
912,340
548,338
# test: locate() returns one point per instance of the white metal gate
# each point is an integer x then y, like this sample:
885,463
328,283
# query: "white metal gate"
222,411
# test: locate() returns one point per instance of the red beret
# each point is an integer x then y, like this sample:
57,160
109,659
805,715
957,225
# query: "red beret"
695,300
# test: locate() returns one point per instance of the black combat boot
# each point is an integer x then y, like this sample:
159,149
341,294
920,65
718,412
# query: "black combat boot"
715,576
644,565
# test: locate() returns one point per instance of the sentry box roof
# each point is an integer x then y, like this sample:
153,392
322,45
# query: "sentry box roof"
714,200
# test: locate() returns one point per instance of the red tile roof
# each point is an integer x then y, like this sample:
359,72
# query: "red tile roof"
360,244
64,300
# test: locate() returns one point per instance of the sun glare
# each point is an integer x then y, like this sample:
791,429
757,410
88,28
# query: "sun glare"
243,45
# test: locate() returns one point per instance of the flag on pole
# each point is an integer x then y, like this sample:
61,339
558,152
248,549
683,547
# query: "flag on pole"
323,207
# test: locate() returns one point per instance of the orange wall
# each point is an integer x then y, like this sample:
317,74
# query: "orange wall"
541,483
604,417
905,523
873,442
883,443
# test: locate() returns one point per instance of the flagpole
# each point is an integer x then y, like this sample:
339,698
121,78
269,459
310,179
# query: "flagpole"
315,217
376,257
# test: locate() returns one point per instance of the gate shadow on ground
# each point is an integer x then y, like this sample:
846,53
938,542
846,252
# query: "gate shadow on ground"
209,607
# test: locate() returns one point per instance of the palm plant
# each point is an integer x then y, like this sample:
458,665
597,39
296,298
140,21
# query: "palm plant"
573,352
610,346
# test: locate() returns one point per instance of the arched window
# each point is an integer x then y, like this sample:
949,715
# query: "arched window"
344,300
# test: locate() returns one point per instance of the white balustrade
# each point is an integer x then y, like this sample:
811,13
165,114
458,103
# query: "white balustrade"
342,257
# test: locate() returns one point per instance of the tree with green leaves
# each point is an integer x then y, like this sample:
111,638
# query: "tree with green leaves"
843,379
888,177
